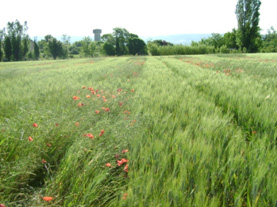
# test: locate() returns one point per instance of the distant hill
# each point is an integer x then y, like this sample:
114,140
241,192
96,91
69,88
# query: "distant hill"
184,39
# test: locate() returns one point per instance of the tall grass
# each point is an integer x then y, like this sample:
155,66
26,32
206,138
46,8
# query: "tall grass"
200,131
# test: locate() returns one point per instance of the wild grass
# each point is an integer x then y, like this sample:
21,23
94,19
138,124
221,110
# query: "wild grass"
200,131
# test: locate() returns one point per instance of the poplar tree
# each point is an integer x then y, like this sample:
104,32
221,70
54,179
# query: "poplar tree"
248,33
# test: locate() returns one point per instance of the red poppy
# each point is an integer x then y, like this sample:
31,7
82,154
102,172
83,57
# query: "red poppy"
77,124
57,125
90,136
43,161
132,90
102,132
2,205
47,198
76,97
35,125
124,196
124,151
107,109
122,161
80,104
108,164
84,87
98,95
96,111
126,168
119,89
30,139
88,96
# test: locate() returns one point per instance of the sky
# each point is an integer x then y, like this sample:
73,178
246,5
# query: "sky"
146,18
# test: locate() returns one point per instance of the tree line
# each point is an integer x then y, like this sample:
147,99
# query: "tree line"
16,45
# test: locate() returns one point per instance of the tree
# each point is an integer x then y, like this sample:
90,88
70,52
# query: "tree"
85,51
270,41
248,32
109,48
36,50
230,39
136,46
1,39
121,36
55,47
8,48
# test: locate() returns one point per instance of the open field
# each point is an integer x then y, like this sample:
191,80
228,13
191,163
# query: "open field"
139,131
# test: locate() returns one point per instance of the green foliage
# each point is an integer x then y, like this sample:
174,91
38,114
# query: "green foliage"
1,43
136,46
270,41
156,50
55,47
36,51
230,39
121,36
8,48
121,42
109,48
248,32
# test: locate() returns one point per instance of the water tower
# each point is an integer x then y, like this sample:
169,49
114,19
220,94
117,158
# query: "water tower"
97,33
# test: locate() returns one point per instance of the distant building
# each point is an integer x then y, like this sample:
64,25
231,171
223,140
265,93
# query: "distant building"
97,34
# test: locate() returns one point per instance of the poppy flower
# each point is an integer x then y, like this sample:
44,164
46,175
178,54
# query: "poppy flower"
124,196
30,139
2,205
35,125
84,87
124,151
47,198
88,96
48,144
122,161
126,168
76,97
90,136
80,104
119,89
108,164
119,162
98,95
102,132
43,161
107,109
57,125
132,90
96,111
77,124
113,96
